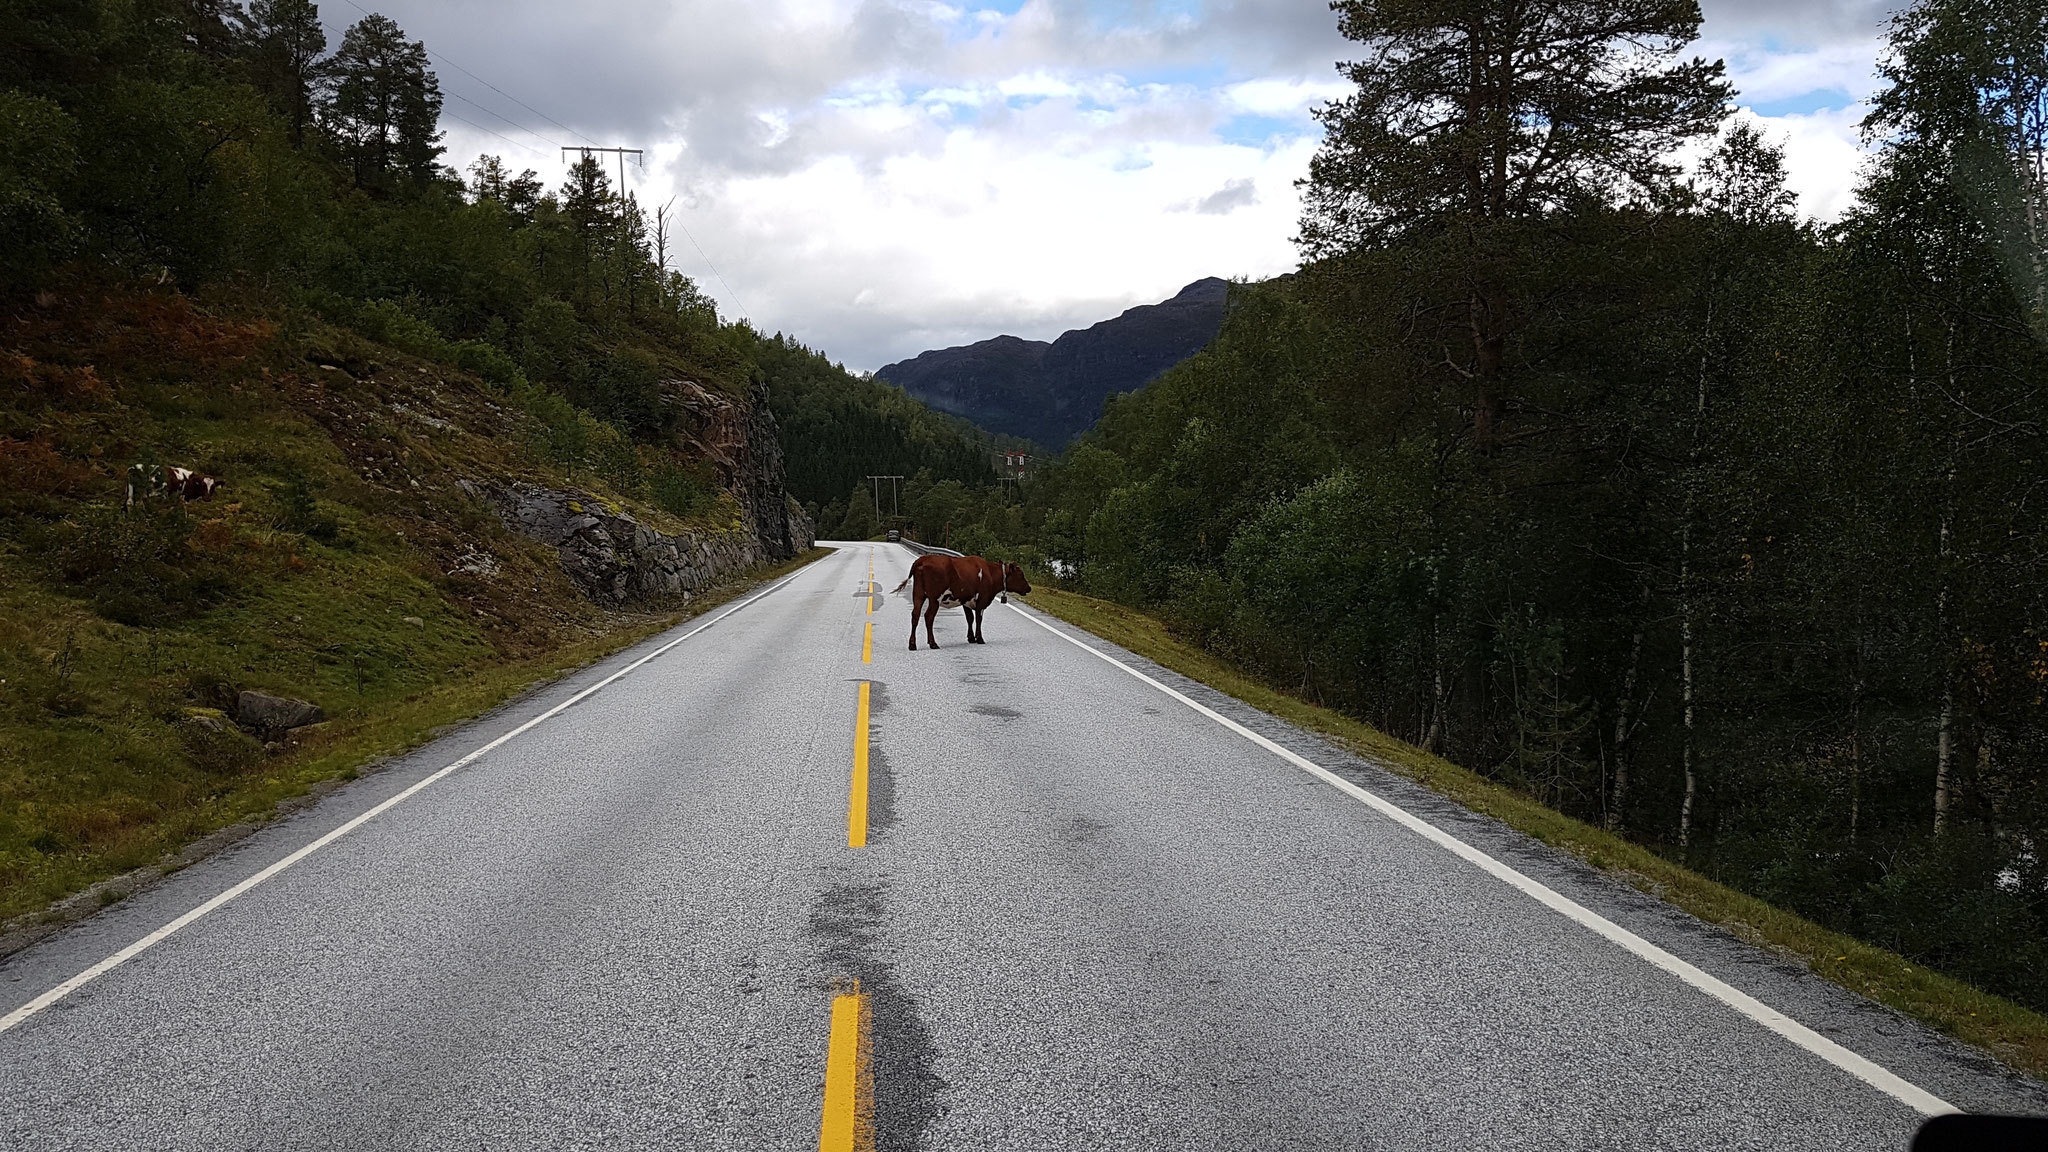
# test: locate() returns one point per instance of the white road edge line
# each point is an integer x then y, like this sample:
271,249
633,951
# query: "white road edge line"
1868,1071
23,1013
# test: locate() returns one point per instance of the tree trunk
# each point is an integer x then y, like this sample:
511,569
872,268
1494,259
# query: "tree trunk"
1488,355
1856,734
1685,591
1685,610
1432,739
1944,743
1623,715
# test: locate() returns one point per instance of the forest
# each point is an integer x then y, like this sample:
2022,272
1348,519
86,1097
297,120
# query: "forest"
1608,476
839,429
232,154
231,243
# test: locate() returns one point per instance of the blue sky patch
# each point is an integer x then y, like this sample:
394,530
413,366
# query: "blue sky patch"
1259,131
1818,100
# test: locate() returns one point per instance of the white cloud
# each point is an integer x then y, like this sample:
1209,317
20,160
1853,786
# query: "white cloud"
1823,156
879,177
1279,96
1763,76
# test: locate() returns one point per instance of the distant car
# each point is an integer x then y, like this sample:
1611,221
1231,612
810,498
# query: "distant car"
894,536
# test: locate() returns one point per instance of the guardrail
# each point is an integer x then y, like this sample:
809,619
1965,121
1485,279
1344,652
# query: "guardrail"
926,549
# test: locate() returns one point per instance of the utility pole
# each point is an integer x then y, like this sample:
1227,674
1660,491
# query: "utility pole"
641,160
1011,467
895,504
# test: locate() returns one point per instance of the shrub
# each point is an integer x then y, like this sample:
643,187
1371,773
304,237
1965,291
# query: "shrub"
299,508
488,361
976,540
683,491
139,568
38,155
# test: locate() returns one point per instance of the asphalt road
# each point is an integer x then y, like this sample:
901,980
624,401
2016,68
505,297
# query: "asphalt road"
1087,916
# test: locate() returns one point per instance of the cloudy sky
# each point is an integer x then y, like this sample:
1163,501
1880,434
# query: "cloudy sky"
879,177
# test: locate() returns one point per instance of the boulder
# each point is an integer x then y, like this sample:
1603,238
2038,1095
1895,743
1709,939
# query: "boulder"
266,713
305,734
215,744
209,720
612,557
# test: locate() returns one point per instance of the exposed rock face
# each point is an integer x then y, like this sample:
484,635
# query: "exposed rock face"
743,443
273,714
613,558
1051,393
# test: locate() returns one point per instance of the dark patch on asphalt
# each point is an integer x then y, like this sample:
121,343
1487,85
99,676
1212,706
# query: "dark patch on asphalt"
881,791
996,710
1082,830
845,920
878,697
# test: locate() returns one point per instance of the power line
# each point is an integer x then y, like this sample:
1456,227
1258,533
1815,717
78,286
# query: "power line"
499,135
487,110
745,313
507,95
486,83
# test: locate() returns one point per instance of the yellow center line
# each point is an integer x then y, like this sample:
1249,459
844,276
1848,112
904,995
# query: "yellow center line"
867,645
857,803
847,1124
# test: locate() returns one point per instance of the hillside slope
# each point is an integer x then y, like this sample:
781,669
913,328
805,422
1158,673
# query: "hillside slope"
1050,393
375,546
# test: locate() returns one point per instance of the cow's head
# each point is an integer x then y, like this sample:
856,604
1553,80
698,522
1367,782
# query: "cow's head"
208,486
1014,581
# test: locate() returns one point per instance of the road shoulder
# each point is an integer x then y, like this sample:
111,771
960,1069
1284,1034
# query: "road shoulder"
383,742
1870,1000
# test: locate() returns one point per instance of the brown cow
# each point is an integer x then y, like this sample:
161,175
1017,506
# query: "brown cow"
147,480
969,581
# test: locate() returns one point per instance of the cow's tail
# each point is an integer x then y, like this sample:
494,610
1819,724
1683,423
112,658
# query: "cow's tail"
900,587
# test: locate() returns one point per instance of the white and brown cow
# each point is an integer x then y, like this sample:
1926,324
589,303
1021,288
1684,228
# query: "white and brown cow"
146,481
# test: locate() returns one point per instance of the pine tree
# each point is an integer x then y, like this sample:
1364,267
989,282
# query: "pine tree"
383,105
491,180
860,522
282,42
1471,114
593,213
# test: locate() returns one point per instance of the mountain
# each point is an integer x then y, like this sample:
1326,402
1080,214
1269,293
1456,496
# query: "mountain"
1051,393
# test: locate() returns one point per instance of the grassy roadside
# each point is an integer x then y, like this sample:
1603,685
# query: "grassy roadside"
344,747
349,561
2013,1034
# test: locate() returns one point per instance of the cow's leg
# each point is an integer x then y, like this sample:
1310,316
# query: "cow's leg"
980,614
931,613
916,607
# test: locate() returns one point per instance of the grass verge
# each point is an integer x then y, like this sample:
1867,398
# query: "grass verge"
350,743
2013,1034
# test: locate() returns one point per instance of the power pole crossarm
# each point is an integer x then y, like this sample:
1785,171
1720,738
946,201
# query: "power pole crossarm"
641,160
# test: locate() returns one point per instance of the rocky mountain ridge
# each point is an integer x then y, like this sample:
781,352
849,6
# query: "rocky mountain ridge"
1051,392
